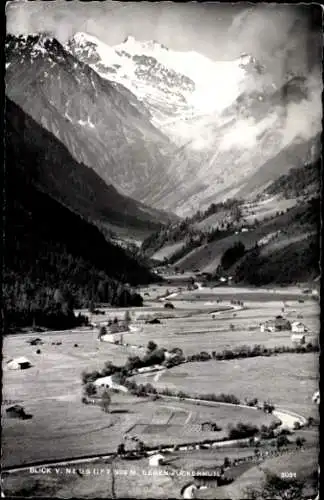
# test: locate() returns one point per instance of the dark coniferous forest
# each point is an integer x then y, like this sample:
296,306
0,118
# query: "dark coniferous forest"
54,259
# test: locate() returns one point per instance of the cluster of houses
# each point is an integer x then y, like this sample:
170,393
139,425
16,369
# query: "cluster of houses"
279,323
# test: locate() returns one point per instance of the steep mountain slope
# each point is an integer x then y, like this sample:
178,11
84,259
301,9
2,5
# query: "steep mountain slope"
48,248
293,156
291,255
282,231
101,123
231,118
77,186
195,231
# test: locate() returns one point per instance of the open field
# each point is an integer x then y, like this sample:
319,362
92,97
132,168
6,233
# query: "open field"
206,335
201,332
51,391
289,380
90,354
64,427
252,294
183,424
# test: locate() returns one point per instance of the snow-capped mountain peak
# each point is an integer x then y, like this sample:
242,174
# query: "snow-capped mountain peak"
175,85
134,46
82,39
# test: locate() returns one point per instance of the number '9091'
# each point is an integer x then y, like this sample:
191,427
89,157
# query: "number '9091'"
288,475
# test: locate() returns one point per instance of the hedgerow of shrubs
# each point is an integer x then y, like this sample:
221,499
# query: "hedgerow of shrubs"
241,352
148,389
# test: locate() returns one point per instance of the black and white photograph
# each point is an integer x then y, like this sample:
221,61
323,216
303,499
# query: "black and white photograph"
161,269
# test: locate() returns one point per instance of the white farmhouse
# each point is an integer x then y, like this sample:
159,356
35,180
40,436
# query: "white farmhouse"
156,460
170,355
148,369
19,363
298,327
267,327
113,338
107,382
276,325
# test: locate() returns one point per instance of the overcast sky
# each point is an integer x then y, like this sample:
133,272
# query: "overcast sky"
279,35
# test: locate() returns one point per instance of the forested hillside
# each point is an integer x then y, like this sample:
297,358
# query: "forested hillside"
54,259
292,256
298,181
196,230
292,263
283,248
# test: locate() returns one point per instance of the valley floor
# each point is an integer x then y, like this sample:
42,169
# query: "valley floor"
63,427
